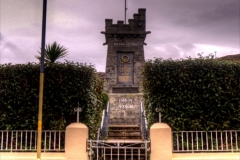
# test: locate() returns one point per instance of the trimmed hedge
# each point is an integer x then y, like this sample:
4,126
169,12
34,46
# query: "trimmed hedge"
65,85
193,94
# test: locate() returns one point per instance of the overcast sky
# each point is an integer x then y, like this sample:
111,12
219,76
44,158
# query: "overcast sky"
179,28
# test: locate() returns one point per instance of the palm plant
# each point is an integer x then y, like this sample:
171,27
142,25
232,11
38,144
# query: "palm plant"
53,52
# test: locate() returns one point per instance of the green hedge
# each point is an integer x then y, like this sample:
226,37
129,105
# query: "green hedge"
193,94
65,84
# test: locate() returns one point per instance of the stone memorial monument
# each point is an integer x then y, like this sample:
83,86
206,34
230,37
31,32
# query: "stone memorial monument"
123,75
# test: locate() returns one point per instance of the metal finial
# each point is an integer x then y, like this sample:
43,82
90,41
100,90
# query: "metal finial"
78,109
159,114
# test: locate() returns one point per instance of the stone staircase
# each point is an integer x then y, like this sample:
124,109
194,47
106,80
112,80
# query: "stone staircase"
127,142
123,135
124,132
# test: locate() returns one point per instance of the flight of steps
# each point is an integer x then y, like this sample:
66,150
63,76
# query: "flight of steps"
124,135
124,132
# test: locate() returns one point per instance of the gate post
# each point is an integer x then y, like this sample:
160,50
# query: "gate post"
161,142
75,142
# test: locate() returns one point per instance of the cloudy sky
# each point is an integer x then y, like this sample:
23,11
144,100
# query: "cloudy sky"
179,28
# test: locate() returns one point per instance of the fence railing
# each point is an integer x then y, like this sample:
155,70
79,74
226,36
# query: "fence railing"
206,141
26,140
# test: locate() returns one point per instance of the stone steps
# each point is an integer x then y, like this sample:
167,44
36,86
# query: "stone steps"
124,121
124,132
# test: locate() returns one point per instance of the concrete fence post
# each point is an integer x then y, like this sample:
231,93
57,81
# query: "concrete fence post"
161,142
75,142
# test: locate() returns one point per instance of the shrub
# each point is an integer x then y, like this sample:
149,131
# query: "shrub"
65,85
193,94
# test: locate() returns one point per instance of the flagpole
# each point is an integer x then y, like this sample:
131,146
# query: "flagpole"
39,138
125,10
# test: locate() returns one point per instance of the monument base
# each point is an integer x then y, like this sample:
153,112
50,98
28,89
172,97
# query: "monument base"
125,108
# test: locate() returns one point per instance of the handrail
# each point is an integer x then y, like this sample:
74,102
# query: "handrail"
108,107
103,115
143,122
105,121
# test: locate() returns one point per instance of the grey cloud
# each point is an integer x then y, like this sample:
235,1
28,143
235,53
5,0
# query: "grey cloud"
220,19
17,54
176,26
30,31
186,46
172,51
194,15
166,51
188,49
1,39
13,52
12,47
226,11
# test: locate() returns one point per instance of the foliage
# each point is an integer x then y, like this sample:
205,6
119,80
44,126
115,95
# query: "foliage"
105,100
193,94
65,85
53,52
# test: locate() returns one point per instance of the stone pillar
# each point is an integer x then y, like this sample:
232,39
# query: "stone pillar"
75,142
161,142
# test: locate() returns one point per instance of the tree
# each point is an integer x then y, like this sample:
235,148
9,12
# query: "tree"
53,52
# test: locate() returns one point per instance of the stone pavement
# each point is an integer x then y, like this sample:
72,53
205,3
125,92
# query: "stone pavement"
206,156
30,156
176,156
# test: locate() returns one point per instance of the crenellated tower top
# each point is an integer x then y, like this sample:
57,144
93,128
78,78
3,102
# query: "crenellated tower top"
135,29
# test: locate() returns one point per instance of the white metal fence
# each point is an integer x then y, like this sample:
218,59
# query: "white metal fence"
26,140
104,150
183,141
206,141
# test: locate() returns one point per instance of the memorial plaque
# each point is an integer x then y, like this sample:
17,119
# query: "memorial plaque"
125,90
125,68
125,111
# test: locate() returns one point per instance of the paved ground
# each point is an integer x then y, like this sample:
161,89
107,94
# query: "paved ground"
176,156
31,156
206,156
